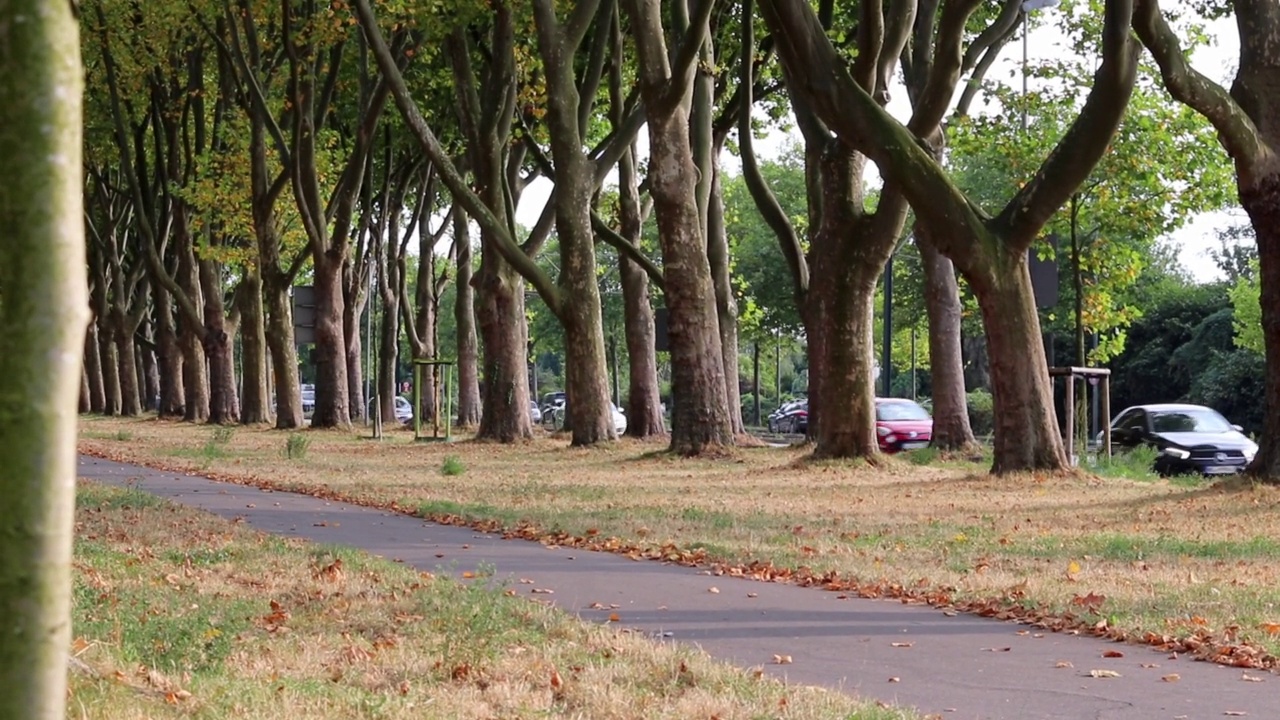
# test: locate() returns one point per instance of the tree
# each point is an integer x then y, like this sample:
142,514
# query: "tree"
1248,123
991,251
43,313
700,417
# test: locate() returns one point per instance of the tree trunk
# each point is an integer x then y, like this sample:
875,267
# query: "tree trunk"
42,331
464,314
644,404
726,305
83,406
388,354
150,380
352,326
699,418
256,407
331,347
110,369
224,402
284,355
1026,428
504,332
168,354
93,370
951,430
843,328
195,367
1262,202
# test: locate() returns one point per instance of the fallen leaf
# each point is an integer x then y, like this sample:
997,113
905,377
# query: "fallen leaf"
894,679
543,591
614,617
1073,570
781,659
1171,677
1063,664
1270,628
999,649
1104,674
468,574
1235,713
713,590
1113,654
1250,678
753,595
901,644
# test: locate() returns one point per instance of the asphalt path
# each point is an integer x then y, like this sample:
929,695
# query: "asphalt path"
960,666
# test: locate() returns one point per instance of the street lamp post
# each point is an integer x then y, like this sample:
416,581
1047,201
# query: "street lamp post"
1028,7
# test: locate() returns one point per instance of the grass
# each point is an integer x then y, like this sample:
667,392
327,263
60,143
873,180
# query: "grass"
179,614
1157,550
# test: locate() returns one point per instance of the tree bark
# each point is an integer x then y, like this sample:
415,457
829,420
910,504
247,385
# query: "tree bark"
700,417
126,356
224,399
110,368
577,301
464,316
93,370
45,309
256,406
284,356
644,404
331,347
726,304
1026,427
1262,201
355,296
951,430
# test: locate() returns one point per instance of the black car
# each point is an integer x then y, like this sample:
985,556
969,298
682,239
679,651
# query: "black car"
792,418
1190,438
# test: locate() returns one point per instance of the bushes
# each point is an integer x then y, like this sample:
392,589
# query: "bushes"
981,412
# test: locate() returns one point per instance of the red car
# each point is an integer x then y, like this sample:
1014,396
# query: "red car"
902,425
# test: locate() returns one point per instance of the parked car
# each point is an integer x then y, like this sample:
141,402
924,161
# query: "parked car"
403,410
553,418
794,418
308,392
772,420
902,424
1190,438
535,412
551,400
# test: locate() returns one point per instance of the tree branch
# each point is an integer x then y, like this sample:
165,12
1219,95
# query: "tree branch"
622,245
1188,86
1086,141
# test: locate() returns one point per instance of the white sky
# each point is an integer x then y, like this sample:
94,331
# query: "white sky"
1194,240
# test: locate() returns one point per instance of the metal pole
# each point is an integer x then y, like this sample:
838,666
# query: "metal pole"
1025,17
887,350
913,362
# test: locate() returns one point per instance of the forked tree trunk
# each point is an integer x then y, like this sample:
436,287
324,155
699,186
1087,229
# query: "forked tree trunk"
951,429
1026,428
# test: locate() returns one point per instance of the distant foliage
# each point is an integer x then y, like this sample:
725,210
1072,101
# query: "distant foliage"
981,412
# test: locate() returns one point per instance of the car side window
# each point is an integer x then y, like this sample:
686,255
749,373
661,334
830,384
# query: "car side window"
1125,420
1140,419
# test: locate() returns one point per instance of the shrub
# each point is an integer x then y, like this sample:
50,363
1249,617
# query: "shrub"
295,447
981,412
452,466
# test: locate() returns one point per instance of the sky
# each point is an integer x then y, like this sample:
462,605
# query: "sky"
1193,241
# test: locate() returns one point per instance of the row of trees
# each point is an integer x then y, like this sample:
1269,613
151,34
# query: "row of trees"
235,148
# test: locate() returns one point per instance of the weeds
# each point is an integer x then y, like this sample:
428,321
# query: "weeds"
123,435
295,447
452,466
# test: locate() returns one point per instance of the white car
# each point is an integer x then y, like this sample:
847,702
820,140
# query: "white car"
553,418
403,410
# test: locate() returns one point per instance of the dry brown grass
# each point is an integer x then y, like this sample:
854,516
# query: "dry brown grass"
179,614
1193,561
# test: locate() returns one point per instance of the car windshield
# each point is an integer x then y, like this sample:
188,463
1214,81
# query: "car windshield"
900,411
1189,421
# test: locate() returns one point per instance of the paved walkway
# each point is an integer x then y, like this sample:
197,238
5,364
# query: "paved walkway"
958,667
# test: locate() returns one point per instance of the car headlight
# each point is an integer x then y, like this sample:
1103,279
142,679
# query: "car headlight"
1249,452
1177,453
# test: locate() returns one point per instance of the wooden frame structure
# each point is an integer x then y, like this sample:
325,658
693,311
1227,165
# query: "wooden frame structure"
1094,376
